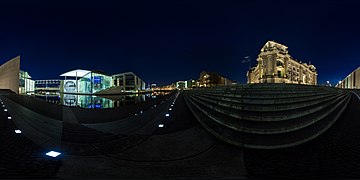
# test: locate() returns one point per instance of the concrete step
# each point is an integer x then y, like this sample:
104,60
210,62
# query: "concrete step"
268,141
266,127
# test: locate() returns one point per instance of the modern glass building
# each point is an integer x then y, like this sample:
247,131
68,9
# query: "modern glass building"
26,84
48,86
128,81
85,82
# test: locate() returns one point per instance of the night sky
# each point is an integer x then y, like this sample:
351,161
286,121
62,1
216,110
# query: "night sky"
166,41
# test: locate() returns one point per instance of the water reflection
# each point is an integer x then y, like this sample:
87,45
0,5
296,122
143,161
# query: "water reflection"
98,102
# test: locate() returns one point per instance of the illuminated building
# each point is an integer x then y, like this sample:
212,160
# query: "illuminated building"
352,81
181,85
85,82
26,84
128,81
48,86
275,65
211,79
9,75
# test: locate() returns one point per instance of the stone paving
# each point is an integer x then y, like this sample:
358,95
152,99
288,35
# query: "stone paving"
20,157
181,149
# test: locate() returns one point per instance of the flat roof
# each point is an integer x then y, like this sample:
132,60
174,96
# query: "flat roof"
76,73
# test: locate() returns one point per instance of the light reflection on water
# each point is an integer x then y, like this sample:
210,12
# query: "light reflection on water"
98,102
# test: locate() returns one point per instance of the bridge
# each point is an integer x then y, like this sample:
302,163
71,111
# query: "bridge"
256,130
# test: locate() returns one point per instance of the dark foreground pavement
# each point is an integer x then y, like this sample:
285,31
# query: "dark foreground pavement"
182,148
334,154
179,149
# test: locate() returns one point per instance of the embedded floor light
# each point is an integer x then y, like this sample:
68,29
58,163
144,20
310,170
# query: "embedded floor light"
17,131
5,109
135,114
53,153
161,125
9,117
140,112
170,109
167,114
172,105
3,105
155,105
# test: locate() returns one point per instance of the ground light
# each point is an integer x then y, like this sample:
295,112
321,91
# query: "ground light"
161,125
170,109
167,114
5,109
17,131
53,153
9,117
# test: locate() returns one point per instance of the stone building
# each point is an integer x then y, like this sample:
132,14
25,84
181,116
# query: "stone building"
211,79
275,65
352,81
9,75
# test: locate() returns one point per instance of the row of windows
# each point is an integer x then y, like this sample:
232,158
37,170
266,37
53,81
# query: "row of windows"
47,82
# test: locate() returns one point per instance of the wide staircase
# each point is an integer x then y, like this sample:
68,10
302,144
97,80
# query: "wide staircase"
267,116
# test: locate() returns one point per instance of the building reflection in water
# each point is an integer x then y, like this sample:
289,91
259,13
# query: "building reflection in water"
98,102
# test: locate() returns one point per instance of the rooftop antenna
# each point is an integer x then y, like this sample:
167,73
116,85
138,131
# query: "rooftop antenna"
247,60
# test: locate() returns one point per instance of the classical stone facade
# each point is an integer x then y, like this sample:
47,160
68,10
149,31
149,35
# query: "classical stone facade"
275,65
9,75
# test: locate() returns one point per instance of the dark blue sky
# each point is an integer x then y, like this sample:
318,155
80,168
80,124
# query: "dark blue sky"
165,41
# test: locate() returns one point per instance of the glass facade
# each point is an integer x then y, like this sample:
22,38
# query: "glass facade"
26,84
128,82
93,82
90,83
